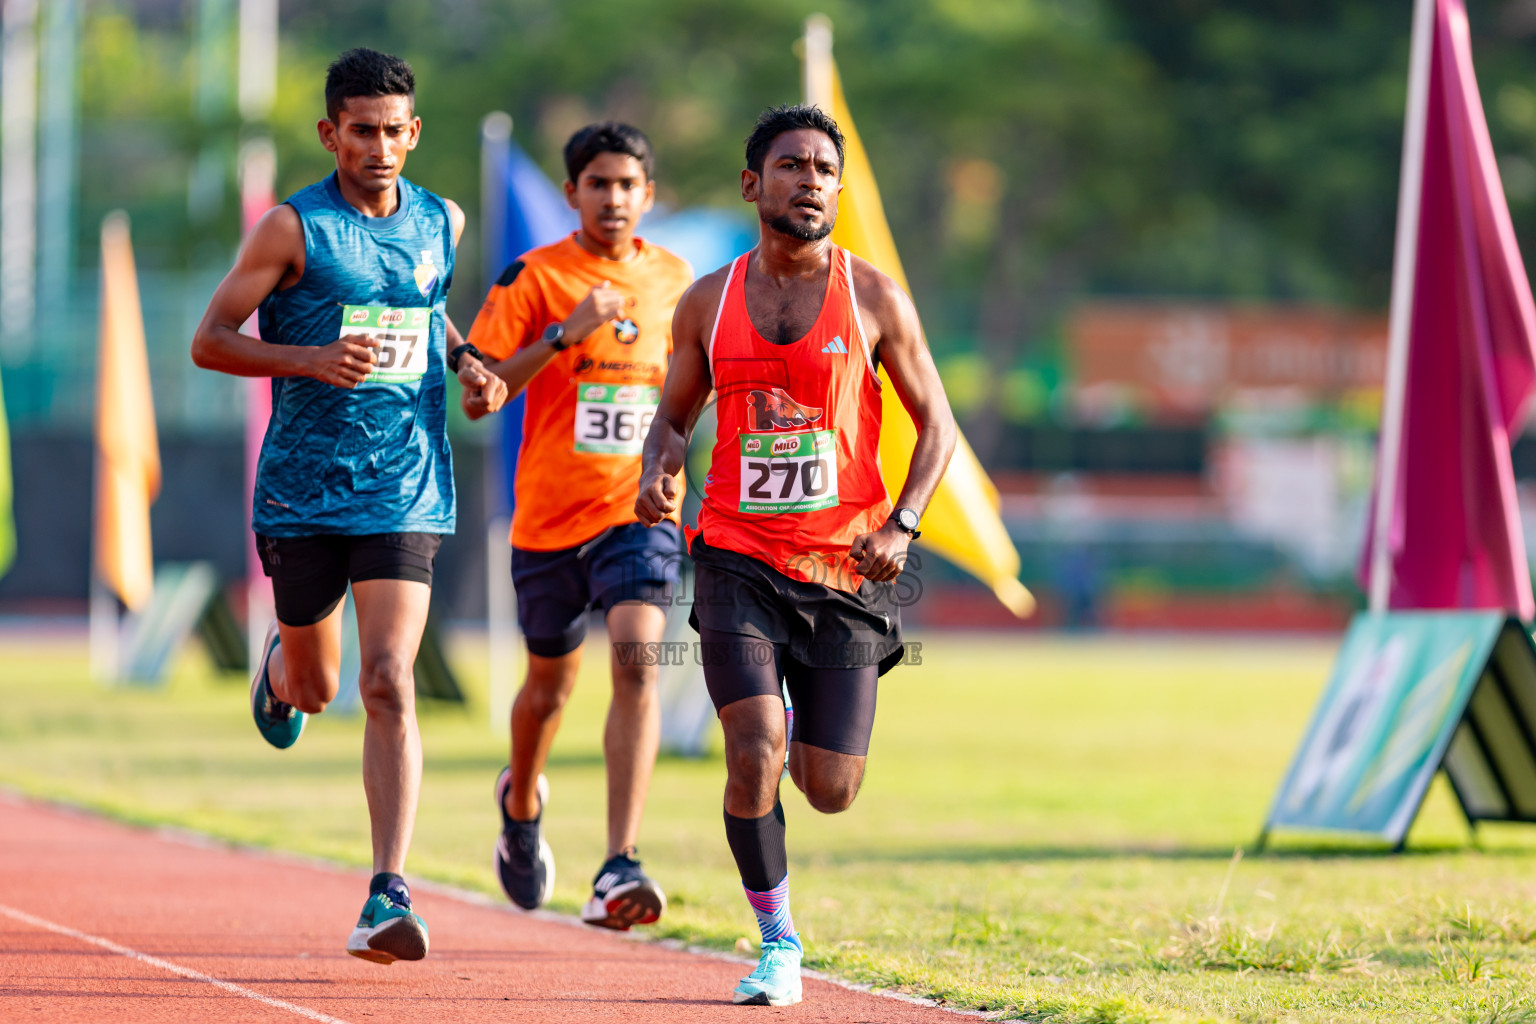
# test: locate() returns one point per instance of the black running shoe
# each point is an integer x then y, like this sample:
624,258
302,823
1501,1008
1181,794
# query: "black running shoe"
623,896
524,862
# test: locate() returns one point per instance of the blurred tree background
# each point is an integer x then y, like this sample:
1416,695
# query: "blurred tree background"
1031,152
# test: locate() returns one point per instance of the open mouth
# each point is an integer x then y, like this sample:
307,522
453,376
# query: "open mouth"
810,206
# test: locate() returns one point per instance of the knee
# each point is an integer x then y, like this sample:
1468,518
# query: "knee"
635,682
829,796
751,763
387,687
542,698
311,688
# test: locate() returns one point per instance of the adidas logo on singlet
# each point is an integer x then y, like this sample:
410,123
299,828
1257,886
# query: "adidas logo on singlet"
836,346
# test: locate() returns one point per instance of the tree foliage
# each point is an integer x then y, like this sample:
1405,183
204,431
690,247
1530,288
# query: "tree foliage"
1030,151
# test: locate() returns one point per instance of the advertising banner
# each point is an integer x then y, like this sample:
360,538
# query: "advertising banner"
1405,686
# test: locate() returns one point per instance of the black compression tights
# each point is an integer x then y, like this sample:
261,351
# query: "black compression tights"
834,707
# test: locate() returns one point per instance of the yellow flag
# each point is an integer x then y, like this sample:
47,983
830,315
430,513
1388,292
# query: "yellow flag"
127,448
962,521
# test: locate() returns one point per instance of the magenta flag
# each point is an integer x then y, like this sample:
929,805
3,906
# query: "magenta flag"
1455,539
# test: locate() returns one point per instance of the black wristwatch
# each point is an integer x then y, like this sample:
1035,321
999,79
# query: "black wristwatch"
459,352
907,520
554,336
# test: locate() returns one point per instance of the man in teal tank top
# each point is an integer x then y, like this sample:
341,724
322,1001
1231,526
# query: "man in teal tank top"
355,482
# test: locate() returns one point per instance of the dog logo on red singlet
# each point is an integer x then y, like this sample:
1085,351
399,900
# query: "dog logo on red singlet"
775,410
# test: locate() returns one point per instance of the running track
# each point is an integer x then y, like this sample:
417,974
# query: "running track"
102,922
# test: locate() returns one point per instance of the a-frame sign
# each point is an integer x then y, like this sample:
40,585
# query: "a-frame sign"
1413,693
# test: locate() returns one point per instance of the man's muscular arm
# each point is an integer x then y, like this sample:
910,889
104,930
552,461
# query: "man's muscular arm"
272,257
902,351
683,396
602,304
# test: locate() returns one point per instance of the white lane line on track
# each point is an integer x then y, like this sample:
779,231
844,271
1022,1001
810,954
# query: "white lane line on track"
166,965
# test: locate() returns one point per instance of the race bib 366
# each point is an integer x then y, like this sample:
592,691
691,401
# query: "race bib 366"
613,419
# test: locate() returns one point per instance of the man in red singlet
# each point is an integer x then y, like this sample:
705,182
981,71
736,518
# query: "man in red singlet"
798,544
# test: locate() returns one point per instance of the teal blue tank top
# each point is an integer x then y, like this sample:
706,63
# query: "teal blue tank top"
375,458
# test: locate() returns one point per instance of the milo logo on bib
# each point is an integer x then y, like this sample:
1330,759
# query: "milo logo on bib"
788,472
404,336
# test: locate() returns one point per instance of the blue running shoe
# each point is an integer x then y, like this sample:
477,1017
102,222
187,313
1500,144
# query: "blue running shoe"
389,930
623,896
776,982
524,862
278,723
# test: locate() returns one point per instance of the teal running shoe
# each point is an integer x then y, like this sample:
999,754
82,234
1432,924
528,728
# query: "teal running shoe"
776,982
389,930
278,723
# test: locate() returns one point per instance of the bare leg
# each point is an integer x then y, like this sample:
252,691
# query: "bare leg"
828,779
305,669
633,731
535,719
390,617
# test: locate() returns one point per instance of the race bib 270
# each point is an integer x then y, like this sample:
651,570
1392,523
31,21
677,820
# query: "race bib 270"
788,472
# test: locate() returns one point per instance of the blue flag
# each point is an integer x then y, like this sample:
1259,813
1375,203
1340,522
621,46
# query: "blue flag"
524,210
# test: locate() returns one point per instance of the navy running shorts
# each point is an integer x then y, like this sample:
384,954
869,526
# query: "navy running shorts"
556,589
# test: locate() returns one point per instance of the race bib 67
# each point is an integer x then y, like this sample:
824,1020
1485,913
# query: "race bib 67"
404,334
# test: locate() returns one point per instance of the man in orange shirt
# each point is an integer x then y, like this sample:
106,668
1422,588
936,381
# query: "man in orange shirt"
586,326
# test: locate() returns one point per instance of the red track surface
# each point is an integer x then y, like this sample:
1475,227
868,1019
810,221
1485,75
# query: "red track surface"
103,922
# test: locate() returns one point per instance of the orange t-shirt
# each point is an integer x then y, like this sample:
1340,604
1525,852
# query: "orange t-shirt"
588,410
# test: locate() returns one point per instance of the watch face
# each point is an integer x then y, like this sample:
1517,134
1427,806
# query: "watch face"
907,518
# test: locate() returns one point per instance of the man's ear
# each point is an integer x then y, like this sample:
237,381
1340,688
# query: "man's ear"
327,131
751,184
415,133
570,194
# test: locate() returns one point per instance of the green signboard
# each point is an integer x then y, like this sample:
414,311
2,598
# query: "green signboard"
1413,692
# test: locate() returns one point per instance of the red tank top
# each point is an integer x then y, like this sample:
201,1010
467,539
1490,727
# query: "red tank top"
795,475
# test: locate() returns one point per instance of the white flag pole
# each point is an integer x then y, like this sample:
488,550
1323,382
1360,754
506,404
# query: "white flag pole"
1404,265
501,599
818,61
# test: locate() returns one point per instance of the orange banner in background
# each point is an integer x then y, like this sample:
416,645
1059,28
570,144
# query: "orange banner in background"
127,446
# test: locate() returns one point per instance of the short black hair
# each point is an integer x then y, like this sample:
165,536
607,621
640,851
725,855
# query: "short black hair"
775,121
365,72
607,137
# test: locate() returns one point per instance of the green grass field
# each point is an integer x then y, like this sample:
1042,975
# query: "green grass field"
1046,832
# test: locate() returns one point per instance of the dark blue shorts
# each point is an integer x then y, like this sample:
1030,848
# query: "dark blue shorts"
556,589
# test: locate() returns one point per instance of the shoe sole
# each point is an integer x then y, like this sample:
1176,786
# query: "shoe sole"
626,906
763,999
399,939
546,855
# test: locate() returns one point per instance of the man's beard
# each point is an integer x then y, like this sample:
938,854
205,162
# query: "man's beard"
804,232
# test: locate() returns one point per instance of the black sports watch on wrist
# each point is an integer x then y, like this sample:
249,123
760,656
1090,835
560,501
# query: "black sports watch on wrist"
459,352
554,336
907,520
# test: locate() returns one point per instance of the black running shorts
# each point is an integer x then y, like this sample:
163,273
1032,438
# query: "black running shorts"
821,627
310,574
